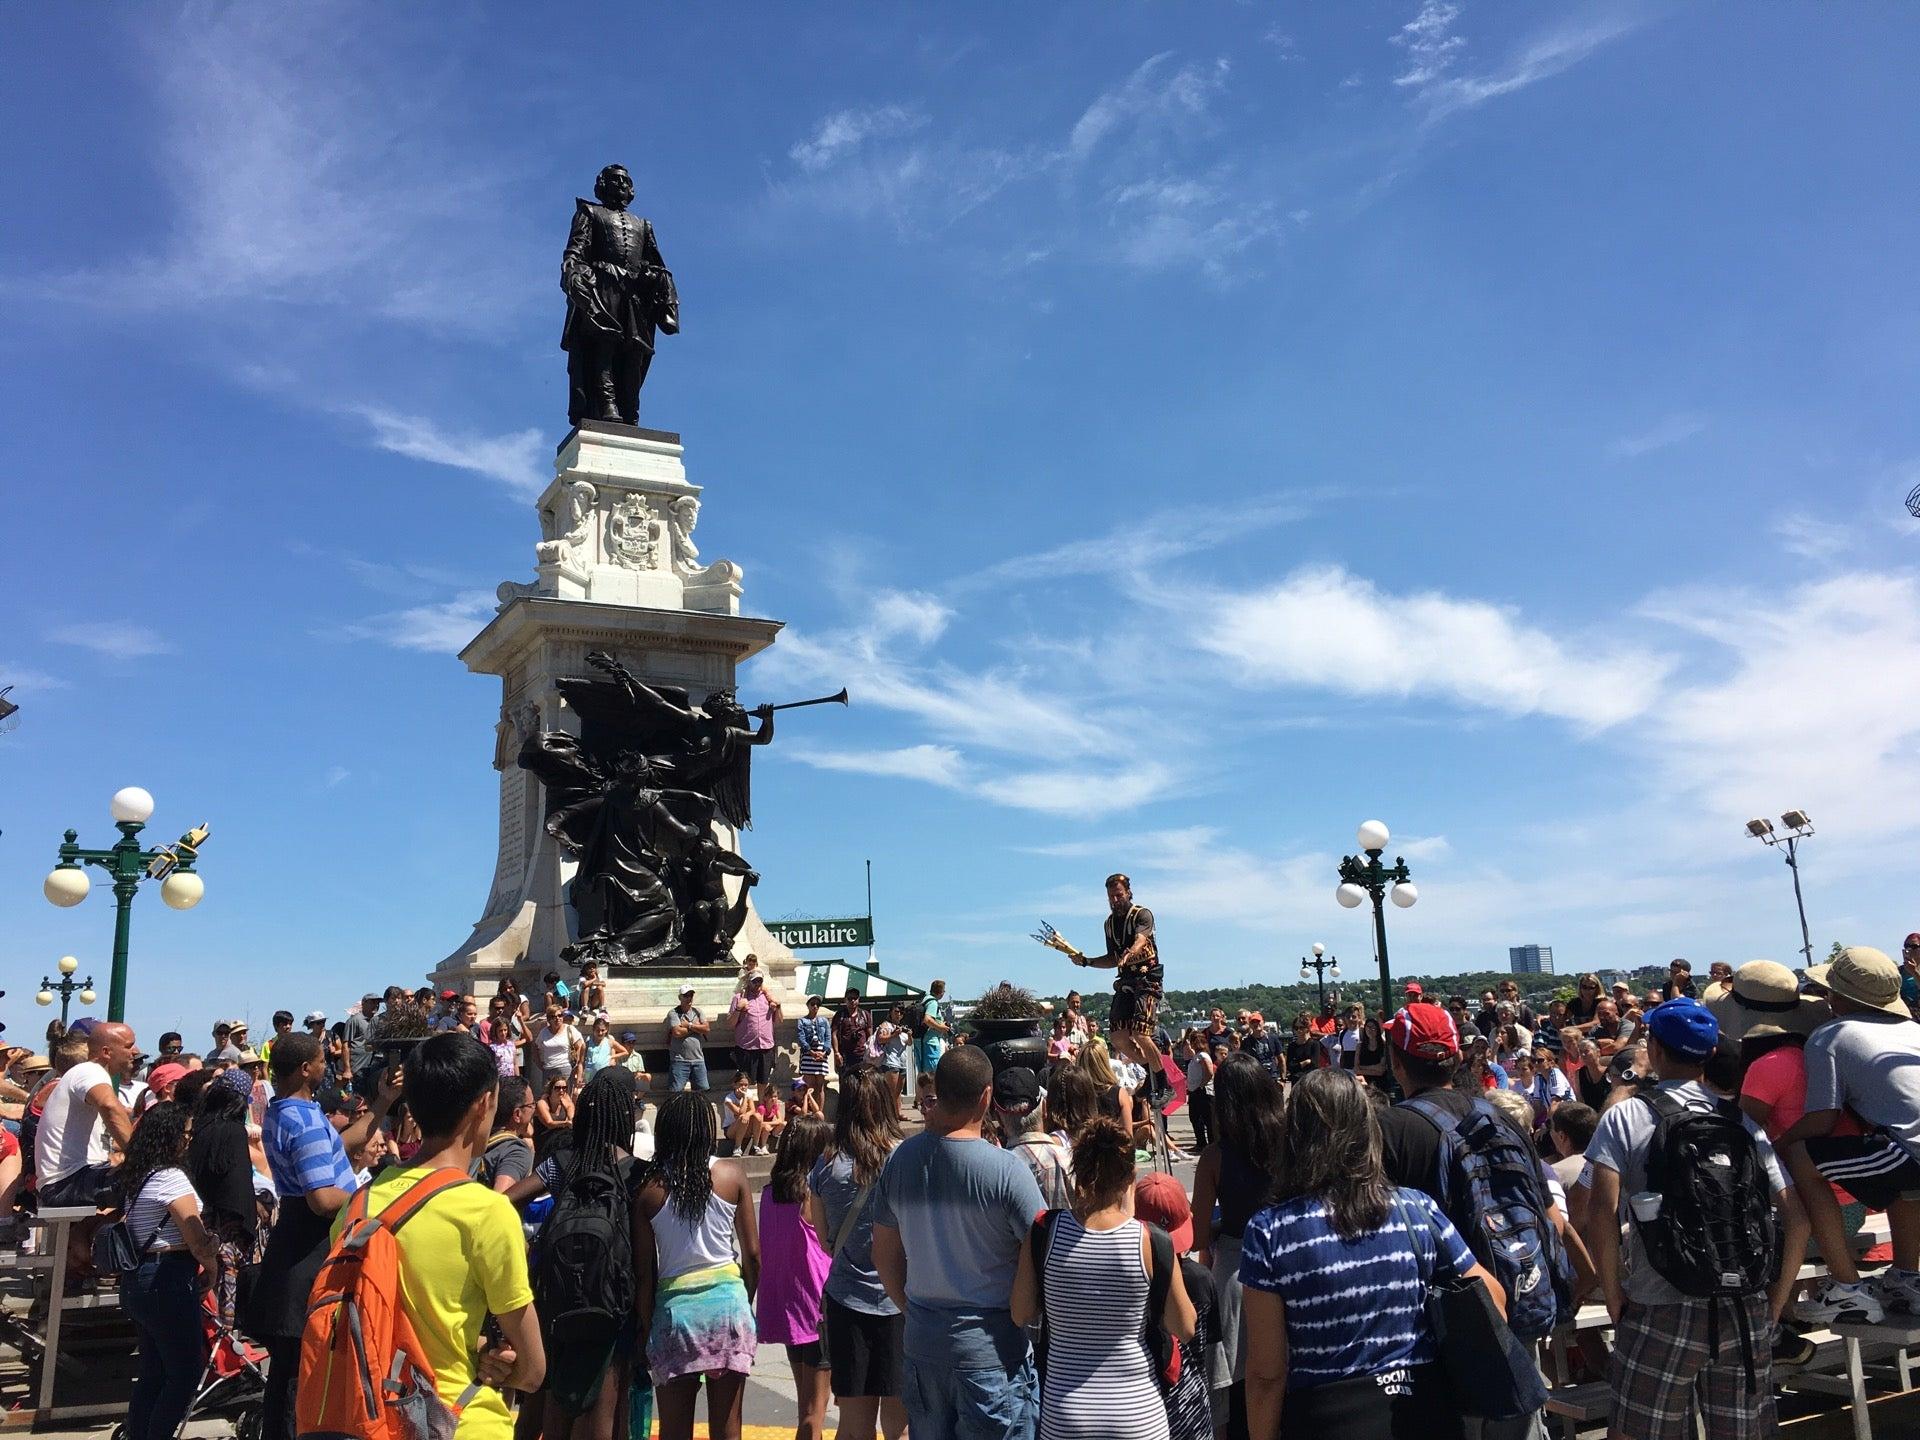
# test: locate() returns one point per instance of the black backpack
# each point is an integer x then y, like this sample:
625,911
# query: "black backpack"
583,1263
1715,1234
1154,1337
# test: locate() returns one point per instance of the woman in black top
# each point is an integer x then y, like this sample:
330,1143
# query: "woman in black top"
221,1168
1234,1172
1303,1051
1590,1081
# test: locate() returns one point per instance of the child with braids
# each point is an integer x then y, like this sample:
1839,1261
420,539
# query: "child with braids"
697,1248
587,1379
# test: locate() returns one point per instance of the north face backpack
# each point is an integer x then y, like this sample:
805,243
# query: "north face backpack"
1715,1232
583,1262
363,1373
1490,1188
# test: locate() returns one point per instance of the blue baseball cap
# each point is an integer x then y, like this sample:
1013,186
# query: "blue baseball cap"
1685,1027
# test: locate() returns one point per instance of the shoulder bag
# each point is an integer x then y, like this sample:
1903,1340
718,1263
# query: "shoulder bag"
1490,1371
833,1256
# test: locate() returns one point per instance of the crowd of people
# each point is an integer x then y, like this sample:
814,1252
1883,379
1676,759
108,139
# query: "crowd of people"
1013,1269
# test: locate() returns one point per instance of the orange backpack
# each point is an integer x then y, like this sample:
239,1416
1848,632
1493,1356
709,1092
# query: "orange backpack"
363,1374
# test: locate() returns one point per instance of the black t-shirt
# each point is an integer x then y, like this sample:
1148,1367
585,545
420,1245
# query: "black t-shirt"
1411,1145
1302,1055
1592,1091
1675,988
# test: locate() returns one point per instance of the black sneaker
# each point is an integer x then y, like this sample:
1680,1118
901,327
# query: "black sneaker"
1790,1345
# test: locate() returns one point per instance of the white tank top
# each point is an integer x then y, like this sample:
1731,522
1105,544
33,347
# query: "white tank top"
698,1245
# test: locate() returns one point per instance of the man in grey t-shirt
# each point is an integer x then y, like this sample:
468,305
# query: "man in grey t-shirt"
950,1214
1670,1347
686,1050
1866,1060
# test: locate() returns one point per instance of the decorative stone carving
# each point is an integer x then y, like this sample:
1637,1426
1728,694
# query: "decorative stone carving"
569,547
683,516
633,533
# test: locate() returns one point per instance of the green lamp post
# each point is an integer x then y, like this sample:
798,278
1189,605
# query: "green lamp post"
128,864
66,988
1361,880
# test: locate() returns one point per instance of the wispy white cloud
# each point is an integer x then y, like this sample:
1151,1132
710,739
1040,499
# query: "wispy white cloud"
932,764
1811,539
1809,698
1157,97
1540,58
112,638
843,131
337,775
513,460
26,680
443,628
306,171
1430,44
1325,628
1673,430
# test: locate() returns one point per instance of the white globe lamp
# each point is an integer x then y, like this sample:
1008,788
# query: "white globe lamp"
69,964
182,890
1374,835
1351,896
1335,972
1405,895
44,997
67,885
131,806
1318,949
87,997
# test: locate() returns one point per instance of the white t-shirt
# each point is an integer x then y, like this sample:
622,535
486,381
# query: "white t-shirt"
556,1048
72,1135
149,1207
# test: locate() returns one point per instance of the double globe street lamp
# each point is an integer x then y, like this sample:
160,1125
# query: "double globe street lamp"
1321,969
66,988
1361,880
128,864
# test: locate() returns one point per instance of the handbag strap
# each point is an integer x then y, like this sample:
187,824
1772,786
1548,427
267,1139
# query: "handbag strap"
1400,1208
846,1225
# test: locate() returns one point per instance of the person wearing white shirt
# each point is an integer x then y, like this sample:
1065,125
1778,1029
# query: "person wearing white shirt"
81,1113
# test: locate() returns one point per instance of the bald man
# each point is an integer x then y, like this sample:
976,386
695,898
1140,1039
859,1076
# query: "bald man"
82,1114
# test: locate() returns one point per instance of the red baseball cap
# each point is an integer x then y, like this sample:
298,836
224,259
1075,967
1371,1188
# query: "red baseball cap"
1161,1200
1413,989
1424,1031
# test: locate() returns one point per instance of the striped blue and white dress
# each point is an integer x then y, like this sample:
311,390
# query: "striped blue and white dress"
1100,1383
1354,1307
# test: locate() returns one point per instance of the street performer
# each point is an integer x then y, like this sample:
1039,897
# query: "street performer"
1137,988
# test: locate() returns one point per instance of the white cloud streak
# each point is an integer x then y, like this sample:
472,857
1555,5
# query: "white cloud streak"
1325,628
513,460
113,639
844,131
440,629
1674,430
1811,539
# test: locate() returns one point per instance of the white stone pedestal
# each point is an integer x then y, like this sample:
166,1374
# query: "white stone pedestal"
617,571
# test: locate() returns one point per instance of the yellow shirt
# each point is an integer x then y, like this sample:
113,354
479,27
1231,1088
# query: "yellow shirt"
462,1257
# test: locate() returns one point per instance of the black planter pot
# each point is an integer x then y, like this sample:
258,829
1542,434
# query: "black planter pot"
1012,1042
397,1050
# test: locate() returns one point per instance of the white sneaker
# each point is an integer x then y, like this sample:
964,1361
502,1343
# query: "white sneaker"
1898,1291
1830,1300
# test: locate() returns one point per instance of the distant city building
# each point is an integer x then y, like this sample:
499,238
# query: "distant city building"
1530,959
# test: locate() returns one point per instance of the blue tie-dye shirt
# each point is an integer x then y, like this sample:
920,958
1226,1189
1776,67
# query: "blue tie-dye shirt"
1354,1307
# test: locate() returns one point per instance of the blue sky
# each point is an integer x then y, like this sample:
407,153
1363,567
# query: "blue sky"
1189,431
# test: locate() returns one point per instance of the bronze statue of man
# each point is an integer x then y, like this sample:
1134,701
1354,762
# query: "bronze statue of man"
619,293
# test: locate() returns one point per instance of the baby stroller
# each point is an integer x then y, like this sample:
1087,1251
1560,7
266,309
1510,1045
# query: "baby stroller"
232,1384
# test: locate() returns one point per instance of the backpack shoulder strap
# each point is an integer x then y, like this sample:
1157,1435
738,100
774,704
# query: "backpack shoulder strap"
1442,1119
397,1212
1663,1105
1160,1276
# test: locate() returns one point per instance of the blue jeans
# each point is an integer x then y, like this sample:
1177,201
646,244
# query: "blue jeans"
680,1070
945,1404
162,1298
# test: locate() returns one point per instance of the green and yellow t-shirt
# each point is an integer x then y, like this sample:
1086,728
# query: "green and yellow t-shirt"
462,1257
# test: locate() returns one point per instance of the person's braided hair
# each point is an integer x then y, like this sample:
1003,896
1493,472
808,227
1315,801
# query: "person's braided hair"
684,1140
602,1124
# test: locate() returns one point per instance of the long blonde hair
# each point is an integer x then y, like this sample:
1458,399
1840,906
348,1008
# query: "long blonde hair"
1093,1059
